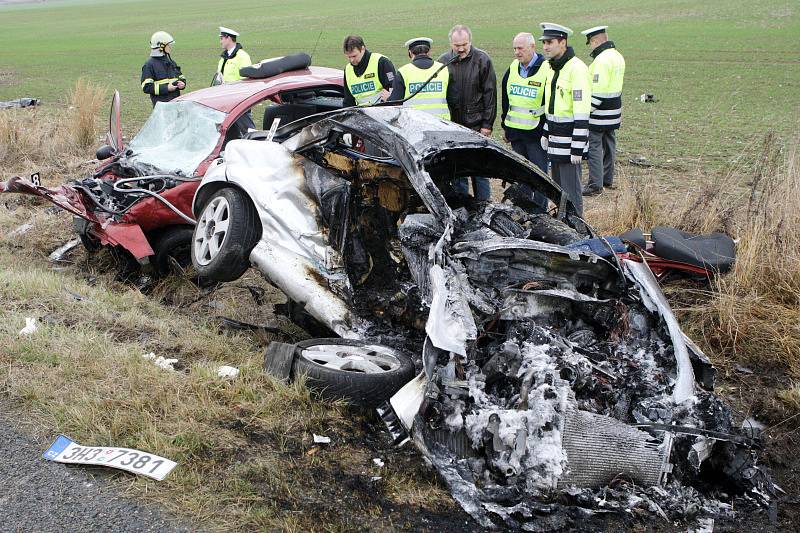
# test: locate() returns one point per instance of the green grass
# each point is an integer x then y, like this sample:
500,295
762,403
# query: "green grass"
723,72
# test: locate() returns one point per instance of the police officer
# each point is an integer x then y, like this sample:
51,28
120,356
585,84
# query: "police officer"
369,77
434,96
607,72
567,103
233,56
522,100
161,76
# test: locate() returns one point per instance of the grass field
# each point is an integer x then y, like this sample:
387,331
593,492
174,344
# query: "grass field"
724,72
727,76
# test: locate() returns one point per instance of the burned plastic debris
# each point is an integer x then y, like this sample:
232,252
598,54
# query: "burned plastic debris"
575,396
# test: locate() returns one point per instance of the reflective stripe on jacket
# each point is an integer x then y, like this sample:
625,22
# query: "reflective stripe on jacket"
229,66
567,102
525,97
365,88
432,98
607,72
157,74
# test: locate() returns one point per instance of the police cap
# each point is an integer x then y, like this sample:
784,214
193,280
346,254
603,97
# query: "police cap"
417,41
554,31
591,32
227,32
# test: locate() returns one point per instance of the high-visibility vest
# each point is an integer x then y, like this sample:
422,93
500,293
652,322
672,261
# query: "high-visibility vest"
525,97
607,72
365,88
567,103
230,67
432,98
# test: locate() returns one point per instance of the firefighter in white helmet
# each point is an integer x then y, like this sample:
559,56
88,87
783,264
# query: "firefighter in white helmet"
161,76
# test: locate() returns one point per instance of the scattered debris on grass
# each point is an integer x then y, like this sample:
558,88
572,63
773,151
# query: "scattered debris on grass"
227,371
30,327
160,361
60,253
321,439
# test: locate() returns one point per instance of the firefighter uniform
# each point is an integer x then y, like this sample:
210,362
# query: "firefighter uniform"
160,72
567,102
157,74
607,72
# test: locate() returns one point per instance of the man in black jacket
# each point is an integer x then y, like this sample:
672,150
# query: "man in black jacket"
161,76
476,85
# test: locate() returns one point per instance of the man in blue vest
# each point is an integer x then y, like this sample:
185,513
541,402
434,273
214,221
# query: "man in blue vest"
523,106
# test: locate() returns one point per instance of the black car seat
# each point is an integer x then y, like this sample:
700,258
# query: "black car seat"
636,237
713,252
287,113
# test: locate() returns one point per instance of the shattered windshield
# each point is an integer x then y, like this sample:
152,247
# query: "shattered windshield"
177,136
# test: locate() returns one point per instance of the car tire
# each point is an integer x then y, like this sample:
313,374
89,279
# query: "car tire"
172,249
361,373
227,230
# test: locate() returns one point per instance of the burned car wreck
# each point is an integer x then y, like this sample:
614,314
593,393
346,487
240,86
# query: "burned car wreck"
554,384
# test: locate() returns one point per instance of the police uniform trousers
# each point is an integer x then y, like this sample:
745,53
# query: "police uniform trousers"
568,177
528,144
601,158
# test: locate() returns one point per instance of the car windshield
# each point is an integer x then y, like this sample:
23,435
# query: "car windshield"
177,136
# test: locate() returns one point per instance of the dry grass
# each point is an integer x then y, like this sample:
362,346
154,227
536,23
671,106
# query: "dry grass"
750,316
53,141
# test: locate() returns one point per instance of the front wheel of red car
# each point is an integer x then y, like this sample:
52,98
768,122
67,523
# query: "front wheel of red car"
226,232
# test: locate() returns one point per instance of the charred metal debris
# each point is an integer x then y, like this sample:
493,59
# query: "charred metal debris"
556,386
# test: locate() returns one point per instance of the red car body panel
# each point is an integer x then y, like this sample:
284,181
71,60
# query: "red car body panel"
150,214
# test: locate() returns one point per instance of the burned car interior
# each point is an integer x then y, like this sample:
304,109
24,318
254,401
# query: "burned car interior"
539,361
298,104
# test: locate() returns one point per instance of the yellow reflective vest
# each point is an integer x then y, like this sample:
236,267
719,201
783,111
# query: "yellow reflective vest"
525,97
432,98
567,102
229,66
365,88
607,72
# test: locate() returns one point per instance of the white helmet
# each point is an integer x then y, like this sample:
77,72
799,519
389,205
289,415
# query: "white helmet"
160,40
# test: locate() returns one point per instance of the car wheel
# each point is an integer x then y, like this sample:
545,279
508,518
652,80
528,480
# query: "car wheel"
226,231
173,250
359,372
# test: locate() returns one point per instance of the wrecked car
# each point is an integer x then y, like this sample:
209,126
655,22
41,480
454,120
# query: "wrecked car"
139,198
554,383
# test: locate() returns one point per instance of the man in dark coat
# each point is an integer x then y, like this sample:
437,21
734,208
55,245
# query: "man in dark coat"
472,74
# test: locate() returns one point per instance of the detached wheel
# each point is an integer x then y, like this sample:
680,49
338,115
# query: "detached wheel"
362,373
225,234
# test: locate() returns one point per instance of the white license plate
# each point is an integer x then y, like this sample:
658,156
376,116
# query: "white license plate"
64,450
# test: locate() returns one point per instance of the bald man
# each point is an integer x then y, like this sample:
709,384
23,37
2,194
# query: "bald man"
523,106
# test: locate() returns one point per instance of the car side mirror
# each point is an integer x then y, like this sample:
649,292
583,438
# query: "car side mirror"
104,152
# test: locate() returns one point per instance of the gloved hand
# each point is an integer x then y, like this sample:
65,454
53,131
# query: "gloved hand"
575,159
544,142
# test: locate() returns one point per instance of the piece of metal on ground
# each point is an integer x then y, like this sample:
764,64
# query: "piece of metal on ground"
279,359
